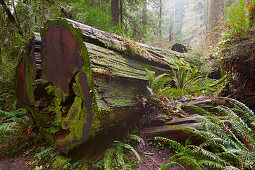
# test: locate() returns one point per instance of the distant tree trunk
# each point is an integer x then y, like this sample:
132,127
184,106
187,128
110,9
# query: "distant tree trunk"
144,13
11,16
160,18
216,12
0,57
66,13
115,11
121,12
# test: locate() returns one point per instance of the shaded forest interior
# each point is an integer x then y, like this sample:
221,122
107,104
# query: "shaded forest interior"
113,84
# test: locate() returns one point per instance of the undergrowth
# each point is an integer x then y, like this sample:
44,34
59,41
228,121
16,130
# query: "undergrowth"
183,80
182,83
116,156
50,158
227,142
15,125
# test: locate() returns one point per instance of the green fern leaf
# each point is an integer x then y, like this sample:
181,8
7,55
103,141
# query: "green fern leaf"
210,164
135,137
129,147
172,144
169,165
193,163
108,158
120,156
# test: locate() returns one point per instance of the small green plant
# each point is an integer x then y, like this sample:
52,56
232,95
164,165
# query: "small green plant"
182,81
227,142
156,84
15,131
115,158
49,157
240,18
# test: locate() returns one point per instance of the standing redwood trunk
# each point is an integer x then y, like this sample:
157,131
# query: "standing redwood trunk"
144,13
160,18
115,11
79,82
216,13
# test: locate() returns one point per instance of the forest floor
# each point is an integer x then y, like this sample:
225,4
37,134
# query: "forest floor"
17,162
152,157
153,154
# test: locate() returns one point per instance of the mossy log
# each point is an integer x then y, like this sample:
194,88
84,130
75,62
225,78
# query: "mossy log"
78,81
174,129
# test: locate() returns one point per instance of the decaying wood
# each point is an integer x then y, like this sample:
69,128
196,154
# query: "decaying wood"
174,132
79,81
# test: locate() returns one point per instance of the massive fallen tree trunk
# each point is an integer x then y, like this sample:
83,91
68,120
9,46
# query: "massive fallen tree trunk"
79,81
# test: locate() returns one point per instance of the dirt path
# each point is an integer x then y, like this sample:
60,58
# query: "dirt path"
19,162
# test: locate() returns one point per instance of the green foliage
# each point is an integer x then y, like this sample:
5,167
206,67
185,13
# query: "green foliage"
183,81
156,84
226,142
14,131
49,157
171,143
135,137
240,17
189,78
115,158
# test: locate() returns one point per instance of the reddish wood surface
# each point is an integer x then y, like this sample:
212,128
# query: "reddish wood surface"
60,57
87,104
21,83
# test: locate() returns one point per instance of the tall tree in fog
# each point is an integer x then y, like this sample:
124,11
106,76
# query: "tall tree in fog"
160,18
216,13
194,27
115,11
144,13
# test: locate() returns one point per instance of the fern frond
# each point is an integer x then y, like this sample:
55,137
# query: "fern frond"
150,91
150,77
120,155
44,154
159,82
170,164
174,92
210,164
247,114
186,159
199,109
211,155
135,137
129,147
108,158
172,144
231,168
228,143
228,156
8,130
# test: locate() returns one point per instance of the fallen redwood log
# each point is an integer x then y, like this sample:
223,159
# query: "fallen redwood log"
78,81
174,129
